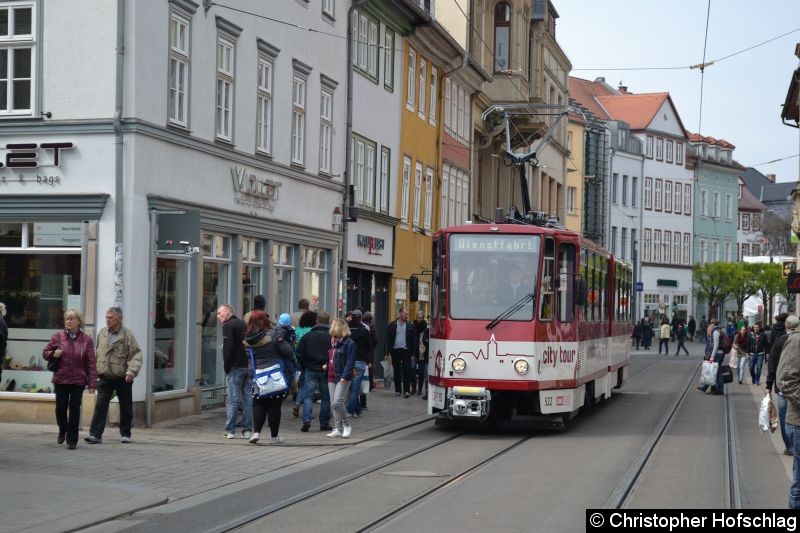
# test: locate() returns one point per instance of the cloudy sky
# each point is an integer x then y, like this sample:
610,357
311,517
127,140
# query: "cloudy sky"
742,95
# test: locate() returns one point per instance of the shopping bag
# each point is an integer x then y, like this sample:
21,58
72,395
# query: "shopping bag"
734,357
708,374
365,384
763,414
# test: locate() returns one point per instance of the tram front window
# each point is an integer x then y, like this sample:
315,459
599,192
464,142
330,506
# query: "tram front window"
490,273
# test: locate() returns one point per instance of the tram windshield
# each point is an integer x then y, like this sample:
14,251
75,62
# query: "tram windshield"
488,274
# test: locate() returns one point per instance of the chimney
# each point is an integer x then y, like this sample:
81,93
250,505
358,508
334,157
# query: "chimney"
623,89
771,178
600,79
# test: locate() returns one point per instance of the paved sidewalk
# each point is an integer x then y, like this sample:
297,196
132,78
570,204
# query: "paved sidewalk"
46,487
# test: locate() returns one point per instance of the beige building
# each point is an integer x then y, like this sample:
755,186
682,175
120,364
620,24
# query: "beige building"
576,129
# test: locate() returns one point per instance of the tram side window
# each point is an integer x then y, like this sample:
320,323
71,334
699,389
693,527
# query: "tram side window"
594,293
547,292
585,275
603,287
438,288
566,269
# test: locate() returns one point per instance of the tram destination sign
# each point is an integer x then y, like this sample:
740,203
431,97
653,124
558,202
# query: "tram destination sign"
492,243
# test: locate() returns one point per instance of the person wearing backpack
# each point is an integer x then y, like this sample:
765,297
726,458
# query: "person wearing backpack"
718,339
757,349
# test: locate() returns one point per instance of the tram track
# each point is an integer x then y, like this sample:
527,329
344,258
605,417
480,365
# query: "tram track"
621,495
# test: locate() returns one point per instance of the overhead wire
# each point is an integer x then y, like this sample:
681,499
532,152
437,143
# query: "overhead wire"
703,70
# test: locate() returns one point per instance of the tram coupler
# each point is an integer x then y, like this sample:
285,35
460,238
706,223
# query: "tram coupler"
469,403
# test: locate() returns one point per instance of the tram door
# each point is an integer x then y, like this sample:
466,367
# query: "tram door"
566,285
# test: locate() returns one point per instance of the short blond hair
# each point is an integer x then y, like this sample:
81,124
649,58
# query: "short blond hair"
339,328
77,314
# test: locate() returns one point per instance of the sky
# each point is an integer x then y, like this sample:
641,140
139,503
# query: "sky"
742,95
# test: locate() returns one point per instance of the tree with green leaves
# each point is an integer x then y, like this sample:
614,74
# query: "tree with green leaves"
710,284
770,283
742,283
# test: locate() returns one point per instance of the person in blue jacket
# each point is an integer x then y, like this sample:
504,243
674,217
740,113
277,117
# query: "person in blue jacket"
341,362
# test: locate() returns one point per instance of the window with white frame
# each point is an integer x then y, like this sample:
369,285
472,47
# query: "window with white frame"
447,116
676,248
649,146
687,199
454,109
704,208
678,198
659,148
264,105
443,221
746,221
18,54
417,193
657,245
225,73
388,59
657,195
729,206
325,131
755,221
715,251
432,107
373,49
281,282
745,251
646,251
454,206
634,244
178,101
648,193
299,118
383,188
364,153
411,81
634,190
679,153
571,199
315,277
727,256
623,242
668,196
703,251
624,189
613,239
405,189
687,259
614,180
667,247
462,113
716,204
428,197
328,7
369,169
423,84
365,44
669,151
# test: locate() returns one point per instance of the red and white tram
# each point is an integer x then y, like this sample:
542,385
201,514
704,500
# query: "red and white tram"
528,324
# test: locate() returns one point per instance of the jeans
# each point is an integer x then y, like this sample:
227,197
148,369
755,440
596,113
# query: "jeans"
680,345
741,364
105,388
316,380
794,492
68,410
240,393
354,403
781,403
339,391
756,362
665,343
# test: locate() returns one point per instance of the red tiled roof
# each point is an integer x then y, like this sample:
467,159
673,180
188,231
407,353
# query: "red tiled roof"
696,137
585,91
638,110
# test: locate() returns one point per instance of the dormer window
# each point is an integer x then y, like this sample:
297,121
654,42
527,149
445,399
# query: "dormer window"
502,37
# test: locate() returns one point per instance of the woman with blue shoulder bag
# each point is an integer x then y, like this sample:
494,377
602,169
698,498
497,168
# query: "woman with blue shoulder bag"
270,358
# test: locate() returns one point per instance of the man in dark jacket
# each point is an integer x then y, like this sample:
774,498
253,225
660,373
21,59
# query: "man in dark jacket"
772,369
312,356
237,375
361,336
401,343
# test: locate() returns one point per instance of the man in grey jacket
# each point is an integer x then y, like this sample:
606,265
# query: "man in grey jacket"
788,379
119,360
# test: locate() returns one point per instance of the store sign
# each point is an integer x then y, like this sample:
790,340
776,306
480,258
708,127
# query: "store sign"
374,245
254,191
57,234
25,156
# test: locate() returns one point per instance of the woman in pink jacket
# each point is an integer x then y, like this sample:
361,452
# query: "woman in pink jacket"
77,369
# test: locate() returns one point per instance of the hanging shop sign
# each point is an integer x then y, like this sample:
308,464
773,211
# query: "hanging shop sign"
252,190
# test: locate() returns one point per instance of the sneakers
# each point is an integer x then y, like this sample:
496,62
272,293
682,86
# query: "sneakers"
246,434
229,435
346,432
254,438
326,427
397,394
334,434
125,440
276,440
305,427
91,439
406,395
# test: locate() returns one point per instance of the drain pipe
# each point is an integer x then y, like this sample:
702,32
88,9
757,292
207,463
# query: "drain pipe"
118,153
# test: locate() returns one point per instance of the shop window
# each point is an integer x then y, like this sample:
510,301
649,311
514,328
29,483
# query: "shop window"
315,277
252,267
502,30
171,324
282,299
216,283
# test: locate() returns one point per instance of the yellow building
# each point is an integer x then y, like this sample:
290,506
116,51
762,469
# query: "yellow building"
574,209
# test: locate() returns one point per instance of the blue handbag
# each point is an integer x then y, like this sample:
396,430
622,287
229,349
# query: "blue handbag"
269,382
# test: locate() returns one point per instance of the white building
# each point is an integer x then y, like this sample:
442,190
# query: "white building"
210,128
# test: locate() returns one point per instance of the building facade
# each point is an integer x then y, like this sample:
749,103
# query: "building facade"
171,187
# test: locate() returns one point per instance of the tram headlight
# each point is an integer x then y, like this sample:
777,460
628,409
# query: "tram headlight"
458,365
521,366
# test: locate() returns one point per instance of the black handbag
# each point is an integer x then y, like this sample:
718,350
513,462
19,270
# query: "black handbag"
52,364
727,374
